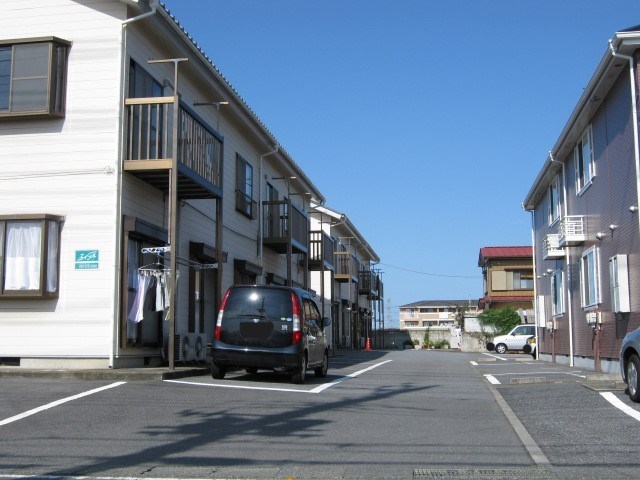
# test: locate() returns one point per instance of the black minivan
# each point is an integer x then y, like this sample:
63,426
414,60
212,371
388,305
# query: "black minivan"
273,327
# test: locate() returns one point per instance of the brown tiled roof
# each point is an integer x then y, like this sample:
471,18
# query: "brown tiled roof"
504,252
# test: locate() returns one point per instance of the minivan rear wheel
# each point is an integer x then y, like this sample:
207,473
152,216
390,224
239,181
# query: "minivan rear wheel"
218,371
321,371
301,374
632,378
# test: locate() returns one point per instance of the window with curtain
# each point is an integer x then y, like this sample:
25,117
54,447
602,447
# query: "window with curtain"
554,200
29,256
583,158
589,278
557,293
33,77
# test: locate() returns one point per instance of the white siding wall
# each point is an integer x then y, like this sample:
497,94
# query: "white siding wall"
79,323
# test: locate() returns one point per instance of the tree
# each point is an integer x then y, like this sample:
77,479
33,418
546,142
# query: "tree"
500,321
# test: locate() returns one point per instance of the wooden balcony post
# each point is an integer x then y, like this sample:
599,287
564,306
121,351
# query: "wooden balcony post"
173,212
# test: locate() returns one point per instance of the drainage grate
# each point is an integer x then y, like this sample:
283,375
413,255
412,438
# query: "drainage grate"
486,473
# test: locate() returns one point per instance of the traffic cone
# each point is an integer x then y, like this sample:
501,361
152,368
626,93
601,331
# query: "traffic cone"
368,346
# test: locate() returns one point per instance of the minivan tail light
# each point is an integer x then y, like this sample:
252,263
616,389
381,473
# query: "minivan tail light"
295,305
218,331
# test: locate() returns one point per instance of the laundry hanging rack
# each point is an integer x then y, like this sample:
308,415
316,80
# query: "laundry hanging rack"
160,252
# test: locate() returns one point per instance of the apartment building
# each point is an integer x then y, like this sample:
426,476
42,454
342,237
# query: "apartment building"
136,186
439,317
345,275
507,279
584,209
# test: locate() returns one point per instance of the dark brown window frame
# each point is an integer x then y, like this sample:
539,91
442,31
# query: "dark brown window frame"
245,204
40,293
57,78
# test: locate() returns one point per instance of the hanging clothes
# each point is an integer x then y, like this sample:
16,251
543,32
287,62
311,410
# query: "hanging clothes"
136,314
160,292
150,298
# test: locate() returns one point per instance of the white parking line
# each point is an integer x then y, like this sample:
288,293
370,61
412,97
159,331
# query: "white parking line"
620,405
493,380
56,403
317,389
495,356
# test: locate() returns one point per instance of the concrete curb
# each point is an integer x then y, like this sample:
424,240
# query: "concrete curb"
126,374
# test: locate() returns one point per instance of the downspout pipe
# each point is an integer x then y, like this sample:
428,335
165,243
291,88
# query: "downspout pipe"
535,281
154,8
115,318
260,212
567,254
634,116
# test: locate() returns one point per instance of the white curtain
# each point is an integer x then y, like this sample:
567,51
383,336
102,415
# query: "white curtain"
23,256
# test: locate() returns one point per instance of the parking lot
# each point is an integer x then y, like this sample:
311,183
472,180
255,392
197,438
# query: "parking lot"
396,414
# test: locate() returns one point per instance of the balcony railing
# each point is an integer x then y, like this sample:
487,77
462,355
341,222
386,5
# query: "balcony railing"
551,247
347,267
571,230
150,142
369,283
276,222
321,247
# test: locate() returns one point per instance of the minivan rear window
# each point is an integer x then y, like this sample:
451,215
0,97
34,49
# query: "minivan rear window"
258,317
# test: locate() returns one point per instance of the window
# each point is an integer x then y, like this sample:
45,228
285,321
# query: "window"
557,293
583,157
619,277
589,278
502,280
553,196
33,77
244,187
29,256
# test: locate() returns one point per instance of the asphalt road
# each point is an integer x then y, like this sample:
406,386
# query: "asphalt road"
402,414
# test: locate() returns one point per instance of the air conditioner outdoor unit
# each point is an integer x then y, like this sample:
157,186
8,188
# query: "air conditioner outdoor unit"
183,347
200,347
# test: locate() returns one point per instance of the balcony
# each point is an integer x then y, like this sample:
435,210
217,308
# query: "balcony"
369,285
276,233
551,247
571,231
321,247
347,267
149,150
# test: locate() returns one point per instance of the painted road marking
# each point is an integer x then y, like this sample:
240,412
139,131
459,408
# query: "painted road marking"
620,405
317,389
493,380
57,402
495,356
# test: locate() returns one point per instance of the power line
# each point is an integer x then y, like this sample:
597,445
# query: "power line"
430,274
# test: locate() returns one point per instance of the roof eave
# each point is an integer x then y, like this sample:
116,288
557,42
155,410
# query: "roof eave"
598,86
269,138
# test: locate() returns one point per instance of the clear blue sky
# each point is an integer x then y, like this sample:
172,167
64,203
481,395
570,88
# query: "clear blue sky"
426,122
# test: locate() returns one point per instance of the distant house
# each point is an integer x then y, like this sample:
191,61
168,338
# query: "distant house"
433,315
507,274
584,204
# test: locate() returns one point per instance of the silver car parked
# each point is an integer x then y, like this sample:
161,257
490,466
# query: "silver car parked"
630,363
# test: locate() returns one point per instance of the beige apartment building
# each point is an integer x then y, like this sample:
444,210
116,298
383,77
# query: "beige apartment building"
440,317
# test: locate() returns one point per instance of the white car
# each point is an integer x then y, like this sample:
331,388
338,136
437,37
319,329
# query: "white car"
516,339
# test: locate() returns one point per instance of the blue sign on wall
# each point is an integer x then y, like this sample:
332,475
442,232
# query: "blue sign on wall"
87,259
